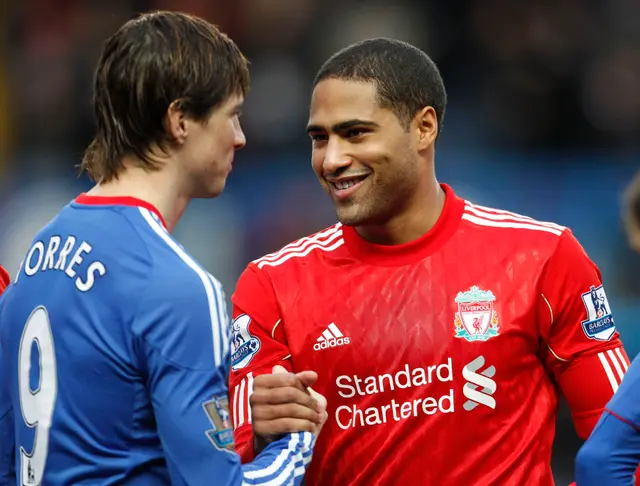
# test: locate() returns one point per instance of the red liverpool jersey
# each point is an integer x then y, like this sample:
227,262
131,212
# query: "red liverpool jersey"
441,359
4,279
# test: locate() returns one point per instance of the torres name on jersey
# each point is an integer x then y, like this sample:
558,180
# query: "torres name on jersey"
441,359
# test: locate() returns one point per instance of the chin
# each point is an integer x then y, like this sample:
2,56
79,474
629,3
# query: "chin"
351,216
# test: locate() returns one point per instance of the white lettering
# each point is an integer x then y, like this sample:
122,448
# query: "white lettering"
351,416
386,382
77,258
38,259
54,243
96,267
64,253
29,268
351,391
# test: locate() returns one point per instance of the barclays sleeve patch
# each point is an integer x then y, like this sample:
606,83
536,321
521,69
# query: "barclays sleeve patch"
217,410
244,346
599,324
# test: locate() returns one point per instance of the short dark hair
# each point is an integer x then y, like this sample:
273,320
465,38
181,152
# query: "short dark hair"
406,78
150,62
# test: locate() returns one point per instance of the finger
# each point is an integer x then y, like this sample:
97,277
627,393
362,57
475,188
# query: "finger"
279,369
320,399
278,380
283,426
307,378
278,396
287,410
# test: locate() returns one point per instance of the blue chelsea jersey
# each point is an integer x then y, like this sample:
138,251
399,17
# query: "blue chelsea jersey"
114,361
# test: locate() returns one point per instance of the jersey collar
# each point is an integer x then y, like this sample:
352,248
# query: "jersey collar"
91,200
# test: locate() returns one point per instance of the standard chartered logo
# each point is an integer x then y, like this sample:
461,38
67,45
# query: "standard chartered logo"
477,380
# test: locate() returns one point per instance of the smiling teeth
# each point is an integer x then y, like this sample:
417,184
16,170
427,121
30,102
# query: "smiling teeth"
346,184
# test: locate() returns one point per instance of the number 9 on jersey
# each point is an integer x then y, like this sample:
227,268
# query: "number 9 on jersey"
37,404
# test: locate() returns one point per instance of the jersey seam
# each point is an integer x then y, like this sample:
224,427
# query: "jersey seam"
136,314
543,276
622,419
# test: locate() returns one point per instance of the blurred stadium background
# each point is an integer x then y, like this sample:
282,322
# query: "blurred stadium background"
543,119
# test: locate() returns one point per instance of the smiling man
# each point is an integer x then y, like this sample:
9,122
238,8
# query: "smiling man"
443,329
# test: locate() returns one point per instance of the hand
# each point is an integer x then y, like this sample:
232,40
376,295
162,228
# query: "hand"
283,402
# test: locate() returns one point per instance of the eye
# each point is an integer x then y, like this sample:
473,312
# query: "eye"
355,132
318,137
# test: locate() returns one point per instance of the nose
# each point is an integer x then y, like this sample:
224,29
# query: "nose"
334,157
239,140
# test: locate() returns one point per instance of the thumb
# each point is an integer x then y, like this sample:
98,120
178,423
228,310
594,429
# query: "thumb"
279,370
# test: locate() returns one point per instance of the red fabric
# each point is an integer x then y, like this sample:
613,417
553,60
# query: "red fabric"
5,280
92,200
412,393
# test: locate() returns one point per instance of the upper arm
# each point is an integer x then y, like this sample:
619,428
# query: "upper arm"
258,342
181,336
185,351
583,349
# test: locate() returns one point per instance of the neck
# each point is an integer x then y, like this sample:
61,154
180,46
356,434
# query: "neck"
158,188
411,223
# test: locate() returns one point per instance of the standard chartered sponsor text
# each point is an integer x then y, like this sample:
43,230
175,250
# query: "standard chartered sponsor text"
350,386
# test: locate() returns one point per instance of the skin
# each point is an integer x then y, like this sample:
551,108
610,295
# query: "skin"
632,225
196,164
282,402
398,198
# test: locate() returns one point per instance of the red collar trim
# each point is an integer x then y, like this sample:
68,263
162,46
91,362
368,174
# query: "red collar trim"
91,200
414,251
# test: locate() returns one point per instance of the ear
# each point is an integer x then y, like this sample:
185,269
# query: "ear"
426,125
176,123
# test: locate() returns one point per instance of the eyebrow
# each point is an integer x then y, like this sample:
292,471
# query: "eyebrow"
345,125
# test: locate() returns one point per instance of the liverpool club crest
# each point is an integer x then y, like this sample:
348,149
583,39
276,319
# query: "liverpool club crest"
476,319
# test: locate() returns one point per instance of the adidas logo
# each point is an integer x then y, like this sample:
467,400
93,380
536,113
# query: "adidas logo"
330,338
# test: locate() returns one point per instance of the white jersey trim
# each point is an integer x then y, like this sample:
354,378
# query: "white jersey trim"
498,218
327,240
213,289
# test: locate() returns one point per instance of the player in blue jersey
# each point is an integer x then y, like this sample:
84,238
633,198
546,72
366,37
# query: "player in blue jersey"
611,455
114,341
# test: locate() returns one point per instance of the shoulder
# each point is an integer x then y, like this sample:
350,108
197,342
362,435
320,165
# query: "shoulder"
516,231
507,222
182,313
299,251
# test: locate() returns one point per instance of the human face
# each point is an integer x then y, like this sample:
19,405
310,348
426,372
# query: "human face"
363,155
210,146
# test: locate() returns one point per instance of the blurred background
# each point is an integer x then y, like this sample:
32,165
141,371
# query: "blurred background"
543,119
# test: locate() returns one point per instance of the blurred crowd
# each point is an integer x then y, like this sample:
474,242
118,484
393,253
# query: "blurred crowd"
538,74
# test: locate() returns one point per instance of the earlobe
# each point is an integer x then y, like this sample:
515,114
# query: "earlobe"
427,122
176,123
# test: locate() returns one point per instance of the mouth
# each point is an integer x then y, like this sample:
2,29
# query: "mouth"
345,188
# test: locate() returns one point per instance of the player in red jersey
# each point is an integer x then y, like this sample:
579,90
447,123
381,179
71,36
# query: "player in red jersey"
442,331
4,279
